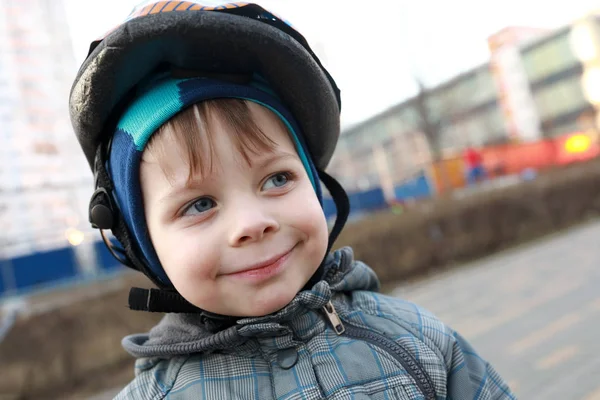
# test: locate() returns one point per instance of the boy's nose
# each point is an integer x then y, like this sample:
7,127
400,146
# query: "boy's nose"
251,226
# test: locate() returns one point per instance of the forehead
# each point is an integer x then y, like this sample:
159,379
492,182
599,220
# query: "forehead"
198,141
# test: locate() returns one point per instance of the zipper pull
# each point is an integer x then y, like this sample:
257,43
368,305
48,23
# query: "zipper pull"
334,318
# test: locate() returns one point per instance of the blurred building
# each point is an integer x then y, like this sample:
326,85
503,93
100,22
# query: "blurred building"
537,84
466,109
45,182
555,74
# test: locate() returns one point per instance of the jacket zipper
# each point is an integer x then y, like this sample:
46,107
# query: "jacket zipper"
403,356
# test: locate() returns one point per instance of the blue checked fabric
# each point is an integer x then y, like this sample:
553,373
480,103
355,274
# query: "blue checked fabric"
295,354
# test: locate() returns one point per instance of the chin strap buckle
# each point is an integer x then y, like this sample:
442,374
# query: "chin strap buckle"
160,300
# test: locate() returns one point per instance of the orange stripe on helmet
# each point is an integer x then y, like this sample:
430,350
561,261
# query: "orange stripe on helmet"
170,6
145,11
173,5
158,7
183,6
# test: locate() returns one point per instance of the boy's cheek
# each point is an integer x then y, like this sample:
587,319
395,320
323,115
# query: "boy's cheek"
315,219
185,258
202,294
196,284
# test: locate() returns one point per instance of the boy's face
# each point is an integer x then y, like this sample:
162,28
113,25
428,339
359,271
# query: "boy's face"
243,238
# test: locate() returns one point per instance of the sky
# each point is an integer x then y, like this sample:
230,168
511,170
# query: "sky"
374,51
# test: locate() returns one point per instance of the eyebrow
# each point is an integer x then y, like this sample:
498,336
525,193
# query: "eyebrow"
262,164
275,157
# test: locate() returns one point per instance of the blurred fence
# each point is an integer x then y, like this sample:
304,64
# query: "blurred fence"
374,199
40,270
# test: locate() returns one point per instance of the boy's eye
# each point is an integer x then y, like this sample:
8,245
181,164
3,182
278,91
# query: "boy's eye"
201,205
278,180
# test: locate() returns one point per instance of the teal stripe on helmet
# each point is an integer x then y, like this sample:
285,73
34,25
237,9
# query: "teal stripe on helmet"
162,101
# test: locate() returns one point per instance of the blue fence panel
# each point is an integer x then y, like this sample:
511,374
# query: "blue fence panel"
360,202
40,268
413,189
106,261
329,207
366,201
5,267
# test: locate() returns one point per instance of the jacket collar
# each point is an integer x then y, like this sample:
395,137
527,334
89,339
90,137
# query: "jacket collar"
179,334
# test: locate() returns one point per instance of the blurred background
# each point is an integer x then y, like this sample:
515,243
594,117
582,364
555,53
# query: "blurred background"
469,149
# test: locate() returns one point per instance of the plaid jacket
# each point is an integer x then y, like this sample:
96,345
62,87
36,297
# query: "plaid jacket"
340,340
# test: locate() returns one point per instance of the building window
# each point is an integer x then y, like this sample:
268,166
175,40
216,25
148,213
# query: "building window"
559,98
548,58
470,91
394,126
475,129
485,89
409,117
564,128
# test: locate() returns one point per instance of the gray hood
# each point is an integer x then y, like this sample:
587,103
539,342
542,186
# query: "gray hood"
182,334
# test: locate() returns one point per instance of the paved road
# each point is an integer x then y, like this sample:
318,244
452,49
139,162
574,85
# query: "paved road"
533,312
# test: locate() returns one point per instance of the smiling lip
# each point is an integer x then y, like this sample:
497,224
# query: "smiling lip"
265,269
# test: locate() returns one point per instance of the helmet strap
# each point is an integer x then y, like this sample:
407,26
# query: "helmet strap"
342,205
104,215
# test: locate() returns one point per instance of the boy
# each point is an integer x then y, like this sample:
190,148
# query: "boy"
208,130
474,165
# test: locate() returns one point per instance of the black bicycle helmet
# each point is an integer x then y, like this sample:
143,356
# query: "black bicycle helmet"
228,38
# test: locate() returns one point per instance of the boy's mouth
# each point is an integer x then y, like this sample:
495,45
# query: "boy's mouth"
263,269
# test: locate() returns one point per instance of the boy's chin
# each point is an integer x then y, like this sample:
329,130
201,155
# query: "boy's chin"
267,304
258,304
